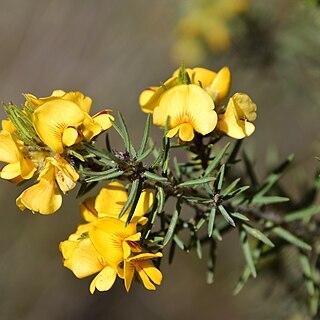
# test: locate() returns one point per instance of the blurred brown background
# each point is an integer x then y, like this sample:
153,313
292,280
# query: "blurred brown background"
111,50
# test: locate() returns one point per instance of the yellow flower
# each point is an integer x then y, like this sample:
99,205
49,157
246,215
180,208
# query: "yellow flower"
147,272
111,199
113,240
63,119
81,257
217,85
189,109
149,98
87,209
44,197
236,121
18,166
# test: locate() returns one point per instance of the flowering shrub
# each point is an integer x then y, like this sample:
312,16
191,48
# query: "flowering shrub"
127,224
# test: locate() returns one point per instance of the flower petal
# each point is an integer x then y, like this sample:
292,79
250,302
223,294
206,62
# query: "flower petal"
220,86
52,118
149,98
87,209
70,136
81,257
111,199
104,280
107,236
43,197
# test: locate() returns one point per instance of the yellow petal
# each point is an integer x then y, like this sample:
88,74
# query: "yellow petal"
9,151
8,126
204,76
70,136
90,128
11,171
186,104
220,86
107,236
81,257
128,274
87,209
149,99
246,108
186,132
111,199
83,102
144,203
104,119
145,279
65,175
234,121
152,272
43,197
52,118
104,280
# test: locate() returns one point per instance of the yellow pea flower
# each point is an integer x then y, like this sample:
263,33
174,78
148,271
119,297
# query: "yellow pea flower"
236,121
111,199
147,272
44,197
81,257
189,109
149,98
113,240
18,166
63,119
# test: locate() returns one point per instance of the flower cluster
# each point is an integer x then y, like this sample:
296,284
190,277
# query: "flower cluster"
39,139
192,100
52,139
105,245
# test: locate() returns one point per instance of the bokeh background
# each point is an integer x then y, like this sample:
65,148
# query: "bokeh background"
111,50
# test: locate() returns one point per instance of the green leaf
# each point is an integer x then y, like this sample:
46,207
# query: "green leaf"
307,273
196,182
212,217
106,177
135,201
127,142
173,223
239,216
303,214
198,247
131,197
161,199
230,187
247,253
98,173
226,215
289,237
144,155
211,261
176,167
145,136
221,176
179,242
268,199
155,177
214,163
258,235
